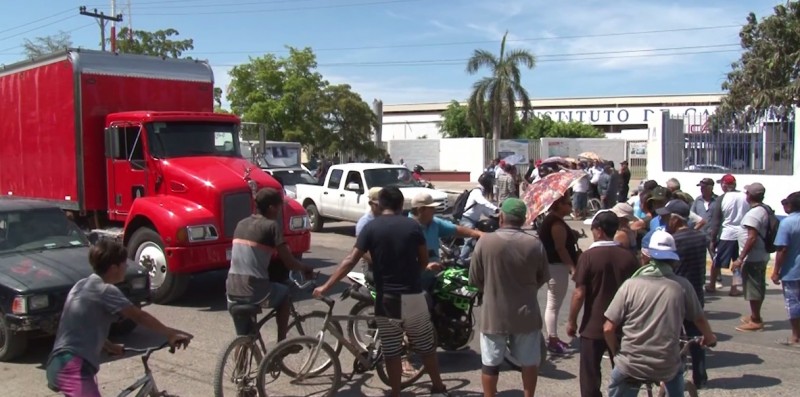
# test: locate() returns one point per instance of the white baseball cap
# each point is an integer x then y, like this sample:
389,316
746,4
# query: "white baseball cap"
661,246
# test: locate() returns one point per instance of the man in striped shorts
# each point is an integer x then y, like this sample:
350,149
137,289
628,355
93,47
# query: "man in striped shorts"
399,254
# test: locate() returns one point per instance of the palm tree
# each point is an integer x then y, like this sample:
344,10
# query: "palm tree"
499,92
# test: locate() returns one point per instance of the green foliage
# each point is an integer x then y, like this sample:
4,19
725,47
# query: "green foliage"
47,44
289,98
456,122
765,78
159,43
498,93
545,127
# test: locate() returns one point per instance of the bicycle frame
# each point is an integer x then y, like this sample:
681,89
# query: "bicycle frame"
146,384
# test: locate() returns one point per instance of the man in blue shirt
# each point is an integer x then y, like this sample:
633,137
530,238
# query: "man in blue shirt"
787,264
423,210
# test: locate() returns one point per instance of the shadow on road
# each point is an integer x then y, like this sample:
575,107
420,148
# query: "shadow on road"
722,359
459,361
348,229
744,382
715,315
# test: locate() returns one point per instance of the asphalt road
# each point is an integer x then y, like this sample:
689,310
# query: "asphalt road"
742,364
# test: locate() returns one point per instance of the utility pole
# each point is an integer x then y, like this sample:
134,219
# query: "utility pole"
114,26
101,20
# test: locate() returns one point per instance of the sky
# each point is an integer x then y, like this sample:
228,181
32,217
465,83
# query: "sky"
415,51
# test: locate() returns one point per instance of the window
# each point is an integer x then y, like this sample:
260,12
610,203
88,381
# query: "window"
335,179
354,177
130,146
193,138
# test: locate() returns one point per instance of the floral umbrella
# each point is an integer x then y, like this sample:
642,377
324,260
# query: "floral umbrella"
589,155
555,159
541,194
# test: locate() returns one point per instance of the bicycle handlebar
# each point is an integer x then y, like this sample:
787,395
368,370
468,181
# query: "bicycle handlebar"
328,301
149,350
306,285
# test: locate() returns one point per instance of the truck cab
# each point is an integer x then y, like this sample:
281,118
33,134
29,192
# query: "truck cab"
179,184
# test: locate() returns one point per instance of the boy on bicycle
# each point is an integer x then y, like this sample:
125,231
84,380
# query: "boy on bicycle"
92,305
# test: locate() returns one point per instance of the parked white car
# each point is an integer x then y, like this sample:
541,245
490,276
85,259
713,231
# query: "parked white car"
343,194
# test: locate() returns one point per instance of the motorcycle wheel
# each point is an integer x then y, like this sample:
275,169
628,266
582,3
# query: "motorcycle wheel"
362,333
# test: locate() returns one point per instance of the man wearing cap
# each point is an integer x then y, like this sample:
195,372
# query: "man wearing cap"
787,265
625,183
423,210
252,276
600,271
649,310
725,225
509,266
753,256
692,248
703,203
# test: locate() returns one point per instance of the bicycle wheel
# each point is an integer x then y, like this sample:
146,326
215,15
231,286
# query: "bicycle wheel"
240,381
279,375
362,332
594,205
413,368
311,324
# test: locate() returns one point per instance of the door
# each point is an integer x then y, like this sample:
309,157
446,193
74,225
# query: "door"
127,171
330,195
352,203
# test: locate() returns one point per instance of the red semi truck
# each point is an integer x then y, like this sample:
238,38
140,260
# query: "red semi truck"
130,147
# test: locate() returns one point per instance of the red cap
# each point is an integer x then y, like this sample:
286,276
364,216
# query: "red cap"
727,179
538,162
501,163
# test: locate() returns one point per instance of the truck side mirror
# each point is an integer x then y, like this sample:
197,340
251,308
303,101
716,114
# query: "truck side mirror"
112,142
354,187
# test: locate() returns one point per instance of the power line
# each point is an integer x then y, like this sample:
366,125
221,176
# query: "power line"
37,20
280,9
3,51
159,5
456,43
37,28
447,62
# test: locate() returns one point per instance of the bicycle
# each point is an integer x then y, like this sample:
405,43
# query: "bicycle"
366,359
146,384
248,347
689,386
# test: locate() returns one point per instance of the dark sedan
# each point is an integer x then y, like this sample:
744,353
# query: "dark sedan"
42,255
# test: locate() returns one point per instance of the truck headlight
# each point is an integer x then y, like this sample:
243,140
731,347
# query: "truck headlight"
25,304
202,233
298,222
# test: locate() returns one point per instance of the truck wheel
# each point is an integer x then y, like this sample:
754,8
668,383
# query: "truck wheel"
12,344
314,218
147,249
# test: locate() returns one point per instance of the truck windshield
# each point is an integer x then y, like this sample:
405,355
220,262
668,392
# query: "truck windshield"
280,156
36,230
192,138
384,177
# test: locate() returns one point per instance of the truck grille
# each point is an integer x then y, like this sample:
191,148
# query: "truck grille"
235,207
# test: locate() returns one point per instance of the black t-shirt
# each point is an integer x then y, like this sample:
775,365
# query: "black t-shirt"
393,241
546,235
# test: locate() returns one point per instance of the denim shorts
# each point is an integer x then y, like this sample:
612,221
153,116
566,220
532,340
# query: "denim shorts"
525,348
791,297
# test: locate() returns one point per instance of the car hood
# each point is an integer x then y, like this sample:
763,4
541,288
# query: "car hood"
48,270
410,192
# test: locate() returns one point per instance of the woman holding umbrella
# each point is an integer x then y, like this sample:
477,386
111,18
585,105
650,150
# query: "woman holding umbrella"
551,194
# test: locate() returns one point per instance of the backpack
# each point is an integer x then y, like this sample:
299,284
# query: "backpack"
772,229
459,207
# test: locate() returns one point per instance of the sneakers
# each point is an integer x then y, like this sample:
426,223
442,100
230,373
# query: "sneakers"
558,347
750,326
442,393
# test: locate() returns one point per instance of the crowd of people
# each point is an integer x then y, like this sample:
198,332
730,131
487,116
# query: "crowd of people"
640,285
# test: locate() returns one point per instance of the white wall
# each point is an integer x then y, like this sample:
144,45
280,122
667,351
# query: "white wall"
411,126
462,154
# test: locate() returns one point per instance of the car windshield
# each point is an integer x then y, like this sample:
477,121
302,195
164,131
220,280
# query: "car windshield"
294,177
279,156
35,230
385,177
192,138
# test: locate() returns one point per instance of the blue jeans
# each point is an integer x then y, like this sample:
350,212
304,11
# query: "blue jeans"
623,386
469,242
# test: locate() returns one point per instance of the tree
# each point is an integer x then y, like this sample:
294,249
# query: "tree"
765,78
545,127
456,122
498,93
158,43
290,98
47,44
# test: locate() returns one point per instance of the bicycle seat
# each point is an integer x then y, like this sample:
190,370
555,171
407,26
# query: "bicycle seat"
243,309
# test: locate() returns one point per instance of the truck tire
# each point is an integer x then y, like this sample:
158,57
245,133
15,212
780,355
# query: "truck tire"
314,218
12,344
165,286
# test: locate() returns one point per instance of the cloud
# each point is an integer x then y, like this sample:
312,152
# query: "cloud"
222,80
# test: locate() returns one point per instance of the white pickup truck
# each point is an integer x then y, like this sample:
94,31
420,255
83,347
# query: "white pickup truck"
343,194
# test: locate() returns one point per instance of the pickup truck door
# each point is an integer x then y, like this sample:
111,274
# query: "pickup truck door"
329,200
353,202
127,171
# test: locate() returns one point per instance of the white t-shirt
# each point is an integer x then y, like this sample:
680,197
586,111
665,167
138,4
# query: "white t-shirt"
757,218
582,186
595,174
734,206
477,206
